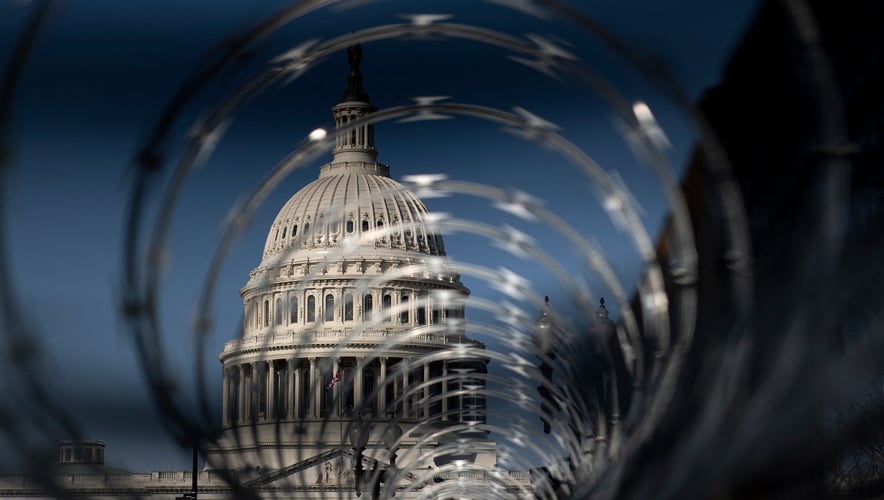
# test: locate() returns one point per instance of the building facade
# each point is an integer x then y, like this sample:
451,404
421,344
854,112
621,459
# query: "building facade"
350,319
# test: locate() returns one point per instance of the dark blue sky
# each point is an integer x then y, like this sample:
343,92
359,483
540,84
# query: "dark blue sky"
102,71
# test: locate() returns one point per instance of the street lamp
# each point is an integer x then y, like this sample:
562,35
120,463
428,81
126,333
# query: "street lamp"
391,437
358,435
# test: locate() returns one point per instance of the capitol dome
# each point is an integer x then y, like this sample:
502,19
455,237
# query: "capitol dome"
357,200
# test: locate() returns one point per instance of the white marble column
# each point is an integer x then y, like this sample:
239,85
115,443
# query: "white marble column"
290,388
225,396
406,406
284,394
313,407
357,383
250,378
242,394
444,390
296,389
271,391
426,390
382,390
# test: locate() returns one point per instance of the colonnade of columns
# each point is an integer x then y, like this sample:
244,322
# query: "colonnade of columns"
301,388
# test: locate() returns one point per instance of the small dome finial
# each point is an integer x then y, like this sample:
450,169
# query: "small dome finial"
354,91
602,311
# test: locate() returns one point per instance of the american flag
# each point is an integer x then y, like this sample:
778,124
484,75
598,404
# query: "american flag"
334,380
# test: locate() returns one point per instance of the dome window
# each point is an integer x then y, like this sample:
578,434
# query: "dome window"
335,227
387,303
403,314
348,307
329,313
306,227
283,231
367,303
277,317
293,310
277,235
311,309
294,230
421,315
349,226
365,225
266,313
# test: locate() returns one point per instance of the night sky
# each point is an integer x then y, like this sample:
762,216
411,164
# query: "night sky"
102,70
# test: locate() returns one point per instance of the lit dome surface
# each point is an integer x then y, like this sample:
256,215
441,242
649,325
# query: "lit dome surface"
351,200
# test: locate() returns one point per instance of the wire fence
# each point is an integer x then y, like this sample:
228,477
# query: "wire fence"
739,364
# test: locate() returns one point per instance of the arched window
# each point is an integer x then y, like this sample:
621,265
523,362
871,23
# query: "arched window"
266,313
277,235
435,316
293,310
367,301
349,226
283,231
422,315
307,229
348,307
311,309
365,225
387,304
329,307
294,230
403,313
256,318
368,385
277,317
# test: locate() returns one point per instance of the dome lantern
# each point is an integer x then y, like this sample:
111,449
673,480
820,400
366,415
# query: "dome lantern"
357,144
